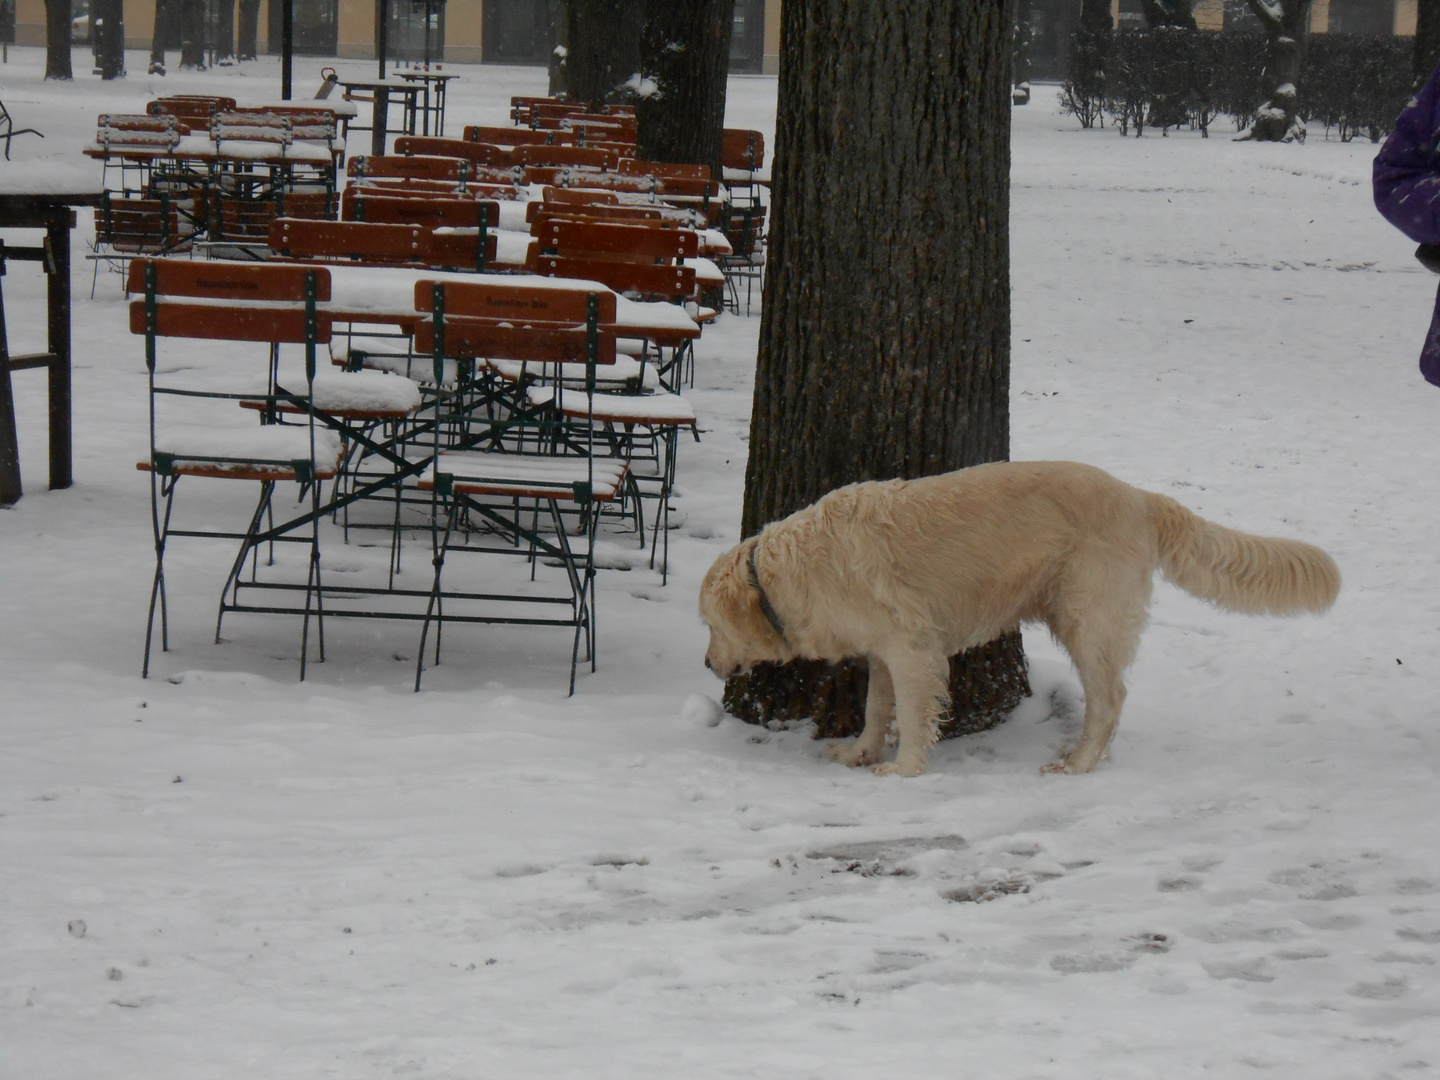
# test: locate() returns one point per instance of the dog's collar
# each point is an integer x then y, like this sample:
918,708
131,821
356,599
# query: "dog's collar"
766,608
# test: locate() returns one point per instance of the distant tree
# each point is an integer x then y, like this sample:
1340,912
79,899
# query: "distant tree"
1024,37
57,40
1287,28
166,34
1160,13
224,43
107,31
1427,40
1095,16
885,334
603,53
247,45
684,58
559,19
192,34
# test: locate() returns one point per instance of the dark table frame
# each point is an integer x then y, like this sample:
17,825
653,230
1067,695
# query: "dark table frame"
55,214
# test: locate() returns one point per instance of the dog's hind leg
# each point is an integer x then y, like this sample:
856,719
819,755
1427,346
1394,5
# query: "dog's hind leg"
869,748
921,682
1101,632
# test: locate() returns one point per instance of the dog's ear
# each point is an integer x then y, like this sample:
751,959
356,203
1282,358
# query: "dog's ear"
728,595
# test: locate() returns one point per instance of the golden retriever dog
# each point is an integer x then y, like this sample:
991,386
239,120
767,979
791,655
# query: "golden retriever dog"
907,573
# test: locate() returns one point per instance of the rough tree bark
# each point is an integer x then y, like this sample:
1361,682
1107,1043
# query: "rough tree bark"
885,337
107,31
1168,13
1427,40
1095,16
167,33
604,49
685,53
224,42
559,17
1287,28
1020,55
192,34
57,40
247,44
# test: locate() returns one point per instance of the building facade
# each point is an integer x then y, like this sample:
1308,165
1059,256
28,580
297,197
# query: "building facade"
453,31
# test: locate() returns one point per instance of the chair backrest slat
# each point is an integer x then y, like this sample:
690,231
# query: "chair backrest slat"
676,282
499,300
495,339
637,243
355,240
220,280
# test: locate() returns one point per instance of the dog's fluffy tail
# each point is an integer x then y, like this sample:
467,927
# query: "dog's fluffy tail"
1240,572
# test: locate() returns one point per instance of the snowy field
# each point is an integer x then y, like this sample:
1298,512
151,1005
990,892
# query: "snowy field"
221,872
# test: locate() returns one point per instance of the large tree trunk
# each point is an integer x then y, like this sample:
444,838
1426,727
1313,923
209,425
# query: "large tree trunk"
107,31
167,34
1095,16
57,40
604,48
224,31
248,34
1160,13
685,53
559,15
1287,28
1427,40
192,34
885,336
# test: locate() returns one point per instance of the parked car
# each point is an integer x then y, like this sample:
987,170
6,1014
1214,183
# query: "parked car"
80,26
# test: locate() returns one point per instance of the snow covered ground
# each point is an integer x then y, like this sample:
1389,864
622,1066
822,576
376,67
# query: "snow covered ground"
220,872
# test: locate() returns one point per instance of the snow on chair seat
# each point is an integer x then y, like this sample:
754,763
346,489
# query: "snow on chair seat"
649,409
265,452
519,476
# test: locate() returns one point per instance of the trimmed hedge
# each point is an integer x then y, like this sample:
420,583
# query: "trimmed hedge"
1172,77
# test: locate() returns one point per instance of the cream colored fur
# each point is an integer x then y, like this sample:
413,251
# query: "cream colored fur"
908,573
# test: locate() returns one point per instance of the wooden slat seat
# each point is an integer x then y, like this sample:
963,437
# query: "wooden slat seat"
512,476
635,243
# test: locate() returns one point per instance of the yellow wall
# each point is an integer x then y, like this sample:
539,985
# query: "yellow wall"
462,30
1405,17
1209,14
771,63
30,22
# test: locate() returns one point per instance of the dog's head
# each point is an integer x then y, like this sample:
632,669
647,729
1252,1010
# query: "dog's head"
740,634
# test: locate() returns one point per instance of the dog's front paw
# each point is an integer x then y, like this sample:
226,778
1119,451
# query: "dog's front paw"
853,754
1069,766
898,768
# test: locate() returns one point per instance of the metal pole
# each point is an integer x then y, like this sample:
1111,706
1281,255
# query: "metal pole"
57,229
287,45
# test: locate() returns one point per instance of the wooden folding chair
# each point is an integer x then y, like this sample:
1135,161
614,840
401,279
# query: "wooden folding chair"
261,303
536,325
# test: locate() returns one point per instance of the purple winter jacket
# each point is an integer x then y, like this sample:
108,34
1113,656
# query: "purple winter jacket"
1407,190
